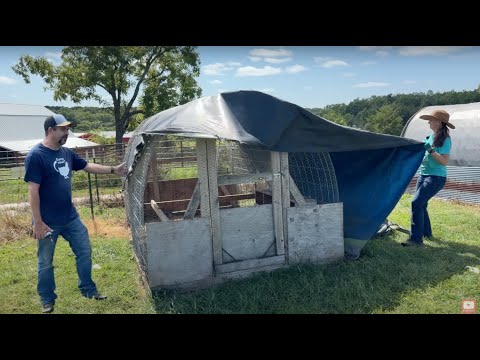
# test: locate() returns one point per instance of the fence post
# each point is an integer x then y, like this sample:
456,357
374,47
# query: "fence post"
90,189
96,179
181,151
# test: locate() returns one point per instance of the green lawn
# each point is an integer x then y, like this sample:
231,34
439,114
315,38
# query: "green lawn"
386,279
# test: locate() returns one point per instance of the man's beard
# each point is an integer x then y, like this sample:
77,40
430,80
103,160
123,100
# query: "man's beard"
63,140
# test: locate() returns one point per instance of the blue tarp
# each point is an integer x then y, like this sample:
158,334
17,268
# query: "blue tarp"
372,170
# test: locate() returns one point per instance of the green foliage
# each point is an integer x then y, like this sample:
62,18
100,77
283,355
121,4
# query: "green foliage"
334,116
102,140
358,112
385,121
89,119
159,76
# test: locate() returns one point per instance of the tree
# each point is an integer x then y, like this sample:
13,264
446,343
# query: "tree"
386,121
160,76
335,117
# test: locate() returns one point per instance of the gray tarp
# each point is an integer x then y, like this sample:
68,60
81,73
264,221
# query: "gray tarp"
372,170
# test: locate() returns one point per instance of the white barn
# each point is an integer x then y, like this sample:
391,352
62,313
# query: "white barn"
22,128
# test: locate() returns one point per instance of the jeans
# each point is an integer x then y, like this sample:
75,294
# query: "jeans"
76,235
427,187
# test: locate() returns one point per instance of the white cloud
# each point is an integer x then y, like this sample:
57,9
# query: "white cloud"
368,48
408,82
375,49
371,84
277,61
333,63
215,82
382,52
234,63
366,63
270,53
295,69
55,55
217,69
270,56
320,59
253,71
7,81
429,50
349,74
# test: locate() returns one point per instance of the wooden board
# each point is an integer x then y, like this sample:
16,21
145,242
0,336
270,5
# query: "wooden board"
247,233
315,233
178,252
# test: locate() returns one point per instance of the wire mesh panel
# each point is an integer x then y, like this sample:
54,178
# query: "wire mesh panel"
235,159
171,180
134,201
314,176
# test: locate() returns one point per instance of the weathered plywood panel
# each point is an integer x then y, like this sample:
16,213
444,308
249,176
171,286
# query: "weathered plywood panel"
315,233
247,233
250,264
179,251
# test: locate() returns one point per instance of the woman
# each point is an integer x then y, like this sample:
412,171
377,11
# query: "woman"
433,174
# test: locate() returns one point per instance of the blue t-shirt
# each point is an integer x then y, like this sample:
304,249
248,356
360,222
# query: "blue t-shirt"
52,170
430,166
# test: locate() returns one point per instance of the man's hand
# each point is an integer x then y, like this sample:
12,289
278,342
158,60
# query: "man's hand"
40,229
120,170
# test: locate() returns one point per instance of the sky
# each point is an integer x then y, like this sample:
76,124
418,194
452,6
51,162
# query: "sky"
309,76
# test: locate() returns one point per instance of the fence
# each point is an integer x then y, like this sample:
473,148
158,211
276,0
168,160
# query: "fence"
87,188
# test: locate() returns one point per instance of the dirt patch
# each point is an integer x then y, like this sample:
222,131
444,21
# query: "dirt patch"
15,225
107,228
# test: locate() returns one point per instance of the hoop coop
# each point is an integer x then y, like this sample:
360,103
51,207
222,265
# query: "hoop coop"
196,202
252,183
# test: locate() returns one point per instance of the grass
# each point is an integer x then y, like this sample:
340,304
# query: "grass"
16,191
115,272
386,279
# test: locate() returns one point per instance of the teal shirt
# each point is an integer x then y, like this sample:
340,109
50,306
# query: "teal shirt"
430,166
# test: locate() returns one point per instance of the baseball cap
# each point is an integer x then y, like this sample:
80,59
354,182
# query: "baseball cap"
57,120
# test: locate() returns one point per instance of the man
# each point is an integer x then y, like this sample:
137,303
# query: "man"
48,171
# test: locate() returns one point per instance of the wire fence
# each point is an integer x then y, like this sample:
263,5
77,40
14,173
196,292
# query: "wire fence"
87,189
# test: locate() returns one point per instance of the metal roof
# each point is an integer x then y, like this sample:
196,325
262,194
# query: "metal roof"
24,110
24,146
22,122
465,137
21,127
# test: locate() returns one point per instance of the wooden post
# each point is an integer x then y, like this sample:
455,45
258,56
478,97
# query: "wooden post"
214,202
277,203
209,204
153,166
285,198
158,211
203,177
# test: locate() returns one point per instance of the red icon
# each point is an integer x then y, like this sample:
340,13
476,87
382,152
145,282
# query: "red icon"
469,307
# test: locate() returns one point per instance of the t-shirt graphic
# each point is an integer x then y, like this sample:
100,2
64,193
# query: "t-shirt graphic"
61,166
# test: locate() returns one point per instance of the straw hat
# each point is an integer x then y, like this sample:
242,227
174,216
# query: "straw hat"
440,115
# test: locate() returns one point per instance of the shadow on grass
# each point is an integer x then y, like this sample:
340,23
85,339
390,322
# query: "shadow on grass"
377,280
